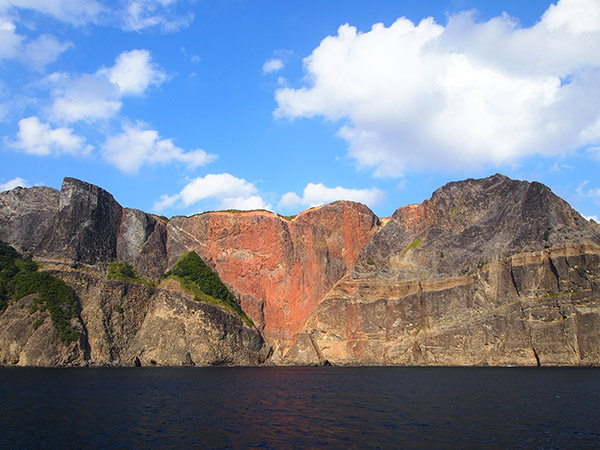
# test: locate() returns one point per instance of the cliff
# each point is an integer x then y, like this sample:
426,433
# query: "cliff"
486,272
279,269
492,271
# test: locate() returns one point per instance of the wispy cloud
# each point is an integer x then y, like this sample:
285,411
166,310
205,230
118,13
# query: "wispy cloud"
272,65
129,15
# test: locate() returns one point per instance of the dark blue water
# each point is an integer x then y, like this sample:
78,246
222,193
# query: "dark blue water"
300,408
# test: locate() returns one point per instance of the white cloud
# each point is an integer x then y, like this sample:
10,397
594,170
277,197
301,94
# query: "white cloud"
164,203
11,184
272,65
99,96
244,203
319,194
594,218
222,186
85,97
134,72
137,145
43,51
130,15
290,200
10,41
75,12
36,54
37,138
465,94
140,14
221,191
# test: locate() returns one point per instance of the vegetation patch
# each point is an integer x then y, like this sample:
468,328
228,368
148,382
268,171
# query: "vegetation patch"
38,322
547,234
123,271
19,277
198,278
414,244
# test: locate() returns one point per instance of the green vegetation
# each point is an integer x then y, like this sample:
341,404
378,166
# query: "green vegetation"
233,211
481,264
199,279
414,244
8,270
119,309
547,234
288,218
123,271
19,277
38,322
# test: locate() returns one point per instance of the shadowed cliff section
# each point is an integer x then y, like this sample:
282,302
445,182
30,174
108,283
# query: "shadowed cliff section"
84,224
492,271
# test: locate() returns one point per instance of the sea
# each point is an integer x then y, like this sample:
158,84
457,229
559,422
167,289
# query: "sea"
299,408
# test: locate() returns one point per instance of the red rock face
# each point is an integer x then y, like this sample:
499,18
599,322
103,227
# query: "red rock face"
280,269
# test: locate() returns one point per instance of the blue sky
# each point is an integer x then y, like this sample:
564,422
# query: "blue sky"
183,106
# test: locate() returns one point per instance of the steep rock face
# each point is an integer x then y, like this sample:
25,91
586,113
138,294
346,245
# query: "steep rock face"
26,215
82,223
470,223
126,324
86,225
490,271
24,341
142,242
279,269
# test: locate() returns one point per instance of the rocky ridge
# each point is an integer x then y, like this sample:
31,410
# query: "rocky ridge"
493,271
486,272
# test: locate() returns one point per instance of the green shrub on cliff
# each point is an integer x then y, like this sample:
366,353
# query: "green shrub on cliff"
19,277
197,277
123,271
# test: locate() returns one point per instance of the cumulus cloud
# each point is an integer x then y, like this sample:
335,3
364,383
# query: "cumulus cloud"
138,145
415,96
134,72
222,191
84,97
319,194
11,184
99,96
38,138
594,218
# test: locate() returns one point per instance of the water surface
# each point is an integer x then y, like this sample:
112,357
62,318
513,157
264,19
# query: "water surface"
306,408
